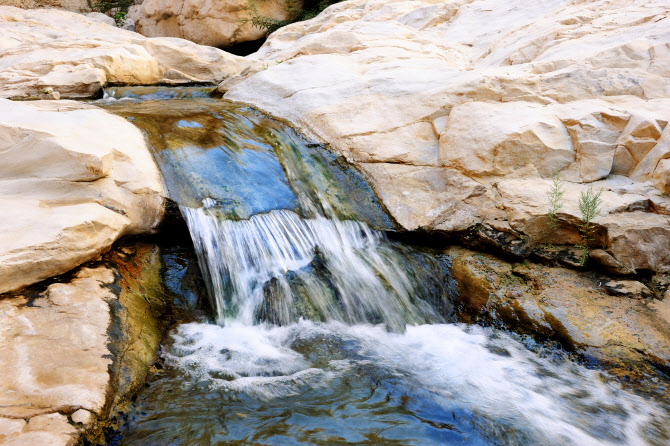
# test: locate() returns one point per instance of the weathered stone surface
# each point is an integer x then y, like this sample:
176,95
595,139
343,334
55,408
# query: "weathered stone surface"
69,5
77,56
495,94
55,355
222,23
627,288
73,179
82,416
78,349
564,305
104,18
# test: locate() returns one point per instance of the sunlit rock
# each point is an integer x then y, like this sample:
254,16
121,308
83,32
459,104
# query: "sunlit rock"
77,56
80,348
73,179
220,24
493,93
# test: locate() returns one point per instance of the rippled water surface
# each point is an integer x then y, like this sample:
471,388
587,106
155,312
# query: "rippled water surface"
322,330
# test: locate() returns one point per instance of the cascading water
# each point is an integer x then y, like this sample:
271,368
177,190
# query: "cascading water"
327,332
339,269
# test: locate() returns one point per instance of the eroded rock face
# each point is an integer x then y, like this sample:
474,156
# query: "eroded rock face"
73,353
221,23
613,321
461,112
68,5
77,56
73,179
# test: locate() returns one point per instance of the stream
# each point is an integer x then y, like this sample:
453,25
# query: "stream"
314,327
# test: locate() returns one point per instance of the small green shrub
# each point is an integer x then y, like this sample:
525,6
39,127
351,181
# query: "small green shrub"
117,9
555,197
119,17
589,206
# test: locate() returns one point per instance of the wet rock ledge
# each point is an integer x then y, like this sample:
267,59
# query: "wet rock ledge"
616,322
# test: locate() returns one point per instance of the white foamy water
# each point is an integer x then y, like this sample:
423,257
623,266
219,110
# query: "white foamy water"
501,385
341,268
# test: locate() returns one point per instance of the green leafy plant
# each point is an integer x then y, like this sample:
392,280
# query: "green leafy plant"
117,9
589,206
119,17
555,197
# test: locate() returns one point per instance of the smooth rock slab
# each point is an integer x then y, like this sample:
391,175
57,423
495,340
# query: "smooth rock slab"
73,179
54,356
77,56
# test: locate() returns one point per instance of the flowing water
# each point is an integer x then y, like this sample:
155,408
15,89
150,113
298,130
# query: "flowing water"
323,331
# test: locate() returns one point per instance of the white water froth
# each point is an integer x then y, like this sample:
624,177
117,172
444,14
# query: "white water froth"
486,373
246,261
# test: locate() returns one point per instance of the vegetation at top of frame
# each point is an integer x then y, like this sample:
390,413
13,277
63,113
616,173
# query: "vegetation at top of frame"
309,9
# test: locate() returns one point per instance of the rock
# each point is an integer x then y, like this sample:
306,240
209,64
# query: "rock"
82,416
73,179
563,305
608,261
220,24
81,6
460,120
80,347
128,24
662,176
627,288
77,56
104,18
55,356
51,429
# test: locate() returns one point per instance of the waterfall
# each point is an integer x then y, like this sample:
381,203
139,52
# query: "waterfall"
327,331
281,266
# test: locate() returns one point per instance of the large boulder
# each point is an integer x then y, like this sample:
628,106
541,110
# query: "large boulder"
77,56
222,23
74,353
73,179
461,112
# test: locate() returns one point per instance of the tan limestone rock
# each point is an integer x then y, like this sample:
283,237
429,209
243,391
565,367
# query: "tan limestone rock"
54,351
71,183
77,56
494,93
80,348
219,24
104,18
82,416
80,6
